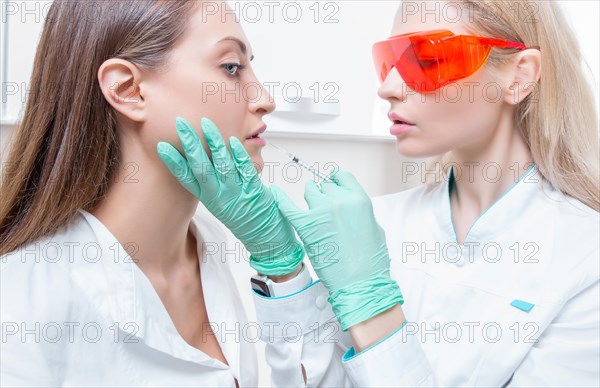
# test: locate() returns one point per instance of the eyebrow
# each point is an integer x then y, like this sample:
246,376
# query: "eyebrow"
240,43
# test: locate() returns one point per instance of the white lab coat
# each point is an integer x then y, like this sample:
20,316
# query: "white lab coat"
76,311
468,308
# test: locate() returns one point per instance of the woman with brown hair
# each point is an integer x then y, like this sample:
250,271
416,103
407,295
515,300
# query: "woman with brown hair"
106,274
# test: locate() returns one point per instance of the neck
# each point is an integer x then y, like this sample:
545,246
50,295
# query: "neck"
148,210
485,171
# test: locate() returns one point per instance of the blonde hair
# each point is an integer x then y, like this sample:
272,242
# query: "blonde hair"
559,119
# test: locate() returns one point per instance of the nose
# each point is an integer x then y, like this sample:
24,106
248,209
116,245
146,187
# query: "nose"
393,87
263,102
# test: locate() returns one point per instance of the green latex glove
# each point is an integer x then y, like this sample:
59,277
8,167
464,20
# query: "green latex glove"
232,191
346,247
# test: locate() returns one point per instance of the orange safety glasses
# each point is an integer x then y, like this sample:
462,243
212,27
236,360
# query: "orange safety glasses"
429,60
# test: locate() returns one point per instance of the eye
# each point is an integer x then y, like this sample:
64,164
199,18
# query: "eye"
233,69
427,63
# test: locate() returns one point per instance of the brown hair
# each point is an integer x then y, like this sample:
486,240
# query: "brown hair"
65,151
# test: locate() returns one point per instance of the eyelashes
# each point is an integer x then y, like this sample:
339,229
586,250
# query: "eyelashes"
233,70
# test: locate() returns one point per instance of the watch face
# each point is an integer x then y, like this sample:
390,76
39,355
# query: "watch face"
260,287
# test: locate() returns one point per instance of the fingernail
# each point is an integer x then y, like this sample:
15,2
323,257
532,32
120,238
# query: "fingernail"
180,123
183,128
209,127
206,122
160,148
235,142
163,151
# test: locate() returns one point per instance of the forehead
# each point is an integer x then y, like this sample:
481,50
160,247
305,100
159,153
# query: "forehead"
414,16
213,21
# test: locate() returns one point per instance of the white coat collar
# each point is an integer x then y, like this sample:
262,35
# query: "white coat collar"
136,306
505,211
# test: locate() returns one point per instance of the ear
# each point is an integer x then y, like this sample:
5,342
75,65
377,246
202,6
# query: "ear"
120,82
527,69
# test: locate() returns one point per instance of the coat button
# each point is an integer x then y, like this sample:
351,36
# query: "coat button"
321,302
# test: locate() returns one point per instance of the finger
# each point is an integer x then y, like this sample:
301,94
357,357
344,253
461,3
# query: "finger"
313,195
331,175
179,167
198,160
242,160
287,207
221,158
345,179
335,170
329,187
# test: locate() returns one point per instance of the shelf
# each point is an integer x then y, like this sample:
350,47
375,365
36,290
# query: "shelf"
274,134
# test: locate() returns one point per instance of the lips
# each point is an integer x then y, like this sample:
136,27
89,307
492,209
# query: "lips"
256,134
397,119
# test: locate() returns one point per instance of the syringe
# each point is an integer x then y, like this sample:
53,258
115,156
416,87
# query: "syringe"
305,166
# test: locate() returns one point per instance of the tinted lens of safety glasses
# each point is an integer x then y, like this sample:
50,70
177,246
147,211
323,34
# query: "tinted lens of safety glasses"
428,61
417,65
385,56
415,56
426,67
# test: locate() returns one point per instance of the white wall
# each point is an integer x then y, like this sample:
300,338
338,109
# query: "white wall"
332,46
326,50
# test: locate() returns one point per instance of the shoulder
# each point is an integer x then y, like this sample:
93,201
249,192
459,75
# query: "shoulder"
54,250
413,196
574,214
36,279
576,233
575,221
418,203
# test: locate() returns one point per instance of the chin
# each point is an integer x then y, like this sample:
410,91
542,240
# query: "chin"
416,149
258,162
409,151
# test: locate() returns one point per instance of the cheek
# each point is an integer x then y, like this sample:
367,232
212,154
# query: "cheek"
447,122
176,94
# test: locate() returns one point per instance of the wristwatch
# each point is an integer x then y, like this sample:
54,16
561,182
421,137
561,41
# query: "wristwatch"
264,286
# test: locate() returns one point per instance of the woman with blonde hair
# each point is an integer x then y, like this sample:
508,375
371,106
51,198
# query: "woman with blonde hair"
488,276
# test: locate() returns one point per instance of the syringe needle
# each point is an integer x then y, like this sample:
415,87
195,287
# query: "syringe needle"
296,160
